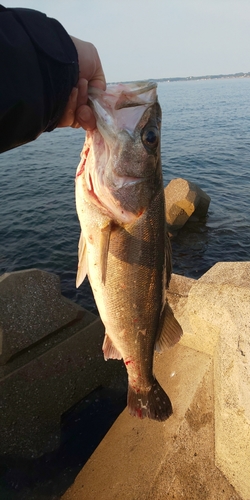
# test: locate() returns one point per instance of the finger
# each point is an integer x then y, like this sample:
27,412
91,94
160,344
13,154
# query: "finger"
85,117
90,66
82,97
98,79
69,113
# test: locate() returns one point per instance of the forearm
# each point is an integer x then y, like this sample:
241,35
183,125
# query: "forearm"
39,68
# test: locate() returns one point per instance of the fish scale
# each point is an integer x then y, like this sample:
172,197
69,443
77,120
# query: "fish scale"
137,283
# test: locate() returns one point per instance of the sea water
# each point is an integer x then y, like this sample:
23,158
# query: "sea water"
205,139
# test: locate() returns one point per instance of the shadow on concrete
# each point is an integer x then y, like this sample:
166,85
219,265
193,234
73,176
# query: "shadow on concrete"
82,429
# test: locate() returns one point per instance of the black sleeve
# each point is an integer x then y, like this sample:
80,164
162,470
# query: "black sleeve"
38,69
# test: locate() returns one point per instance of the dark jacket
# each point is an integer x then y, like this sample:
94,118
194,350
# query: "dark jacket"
38,69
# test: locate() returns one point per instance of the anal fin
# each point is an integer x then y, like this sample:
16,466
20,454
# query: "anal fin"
170,330
109,350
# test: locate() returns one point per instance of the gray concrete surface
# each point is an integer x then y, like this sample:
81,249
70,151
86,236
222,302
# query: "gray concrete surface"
31,307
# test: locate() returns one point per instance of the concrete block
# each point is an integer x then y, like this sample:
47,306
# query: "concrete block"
183,199
218,307
180,285
177,296
51,358
148,460
40,385
203,451
31,307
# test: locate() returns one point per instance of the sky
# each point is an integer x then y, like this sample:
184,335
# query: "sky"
143,39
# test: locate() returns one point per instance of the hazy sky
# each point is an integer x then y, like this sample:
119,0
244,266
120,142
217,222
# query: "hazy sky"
140,39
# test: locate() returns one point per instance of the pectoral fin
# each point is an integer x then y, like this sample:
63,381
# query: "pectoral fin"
82,261
170,330
104,248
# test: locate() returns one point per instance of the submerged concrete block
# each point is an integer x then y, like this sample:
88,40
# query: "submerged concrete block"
31,307
183,199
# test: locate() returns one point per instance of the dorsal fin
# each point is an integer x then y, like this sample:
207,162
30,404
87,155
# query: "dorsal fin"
170,330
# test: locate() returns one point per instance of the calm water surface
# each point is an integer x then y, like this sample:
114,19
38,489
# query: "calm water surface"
205,139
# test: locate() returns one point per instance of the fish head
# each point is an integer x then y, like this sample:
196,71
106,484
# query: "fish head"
123,165
134,173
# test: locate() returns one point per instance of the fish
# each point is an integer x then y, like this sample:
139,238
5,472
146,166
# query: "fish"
124,247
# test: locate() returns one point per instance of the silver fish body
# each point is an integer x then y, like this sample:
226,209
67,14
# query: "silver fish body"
124,248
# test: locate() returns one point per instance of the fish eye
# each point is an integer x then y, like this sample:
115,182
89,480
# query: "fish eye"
150,137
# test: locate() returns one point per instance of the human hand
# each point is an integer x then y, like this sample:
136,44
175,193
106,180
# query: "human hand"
77,112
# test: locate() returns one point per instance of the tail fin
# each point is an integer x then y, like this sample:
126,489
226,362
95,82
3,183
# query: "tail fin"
154,403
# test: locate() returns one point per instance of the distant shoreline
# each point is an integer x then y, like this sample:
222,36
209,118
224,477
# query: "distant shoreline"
207,77
191,78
